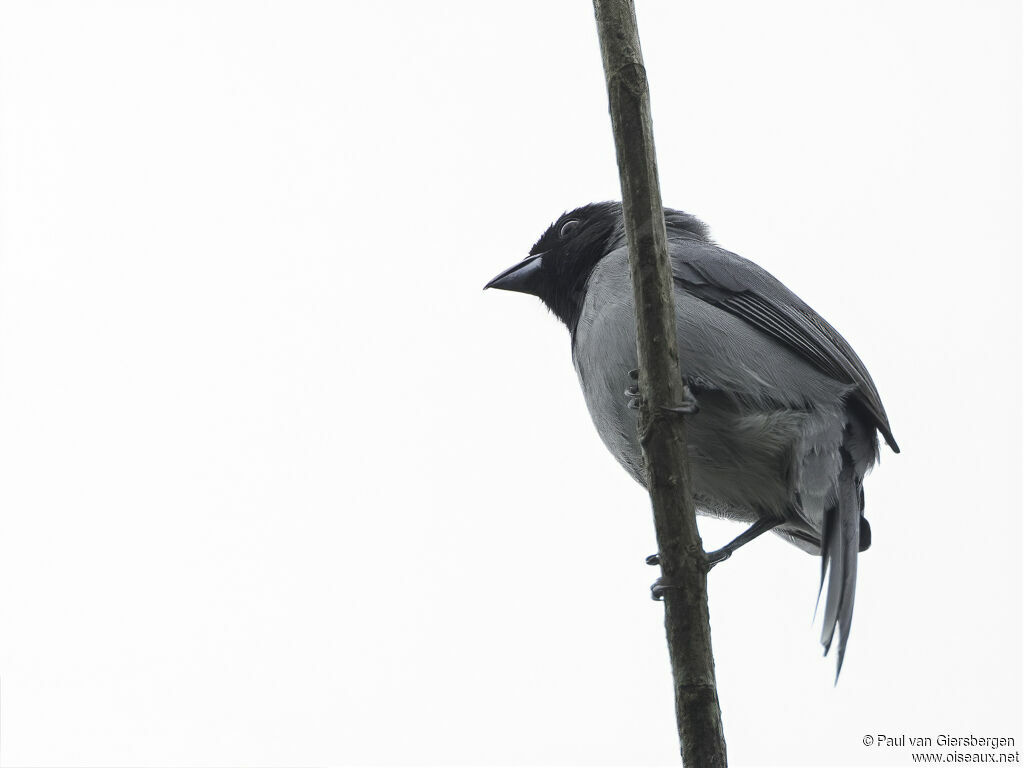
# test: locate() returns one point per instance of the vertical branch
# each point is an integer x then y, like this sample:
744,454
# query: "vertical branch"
662,435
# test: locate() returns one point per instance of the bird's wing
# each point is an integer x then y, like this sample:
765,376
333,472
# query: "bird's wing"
743,289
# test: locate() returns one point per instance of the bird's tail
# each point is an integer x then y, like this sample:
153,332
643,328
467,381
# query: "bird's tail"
840,542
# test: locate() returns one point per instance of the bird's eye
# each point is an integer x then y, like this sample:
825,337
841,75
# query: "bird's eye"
568,228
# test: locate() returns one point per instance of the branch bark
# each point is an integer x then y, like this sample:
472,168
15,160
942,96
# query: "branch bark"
662,436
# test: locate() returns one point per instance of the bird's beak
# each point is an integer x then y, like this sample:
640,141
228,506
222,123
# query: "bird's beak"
520,277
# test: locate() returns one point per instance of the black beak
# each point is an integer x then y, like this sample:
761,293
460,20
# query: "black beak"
522,277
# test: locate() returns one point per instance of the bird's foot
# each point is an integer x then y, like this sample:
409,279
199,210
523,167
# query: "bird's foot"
633,391
712,558
659,588
687,407
718,556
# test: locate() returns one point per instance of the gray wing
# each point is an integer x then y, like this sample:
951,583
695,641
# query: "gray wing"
743,289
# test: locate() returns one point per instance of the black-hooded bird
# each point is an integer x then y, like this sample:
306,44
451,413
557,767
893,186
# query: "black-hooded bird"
786,414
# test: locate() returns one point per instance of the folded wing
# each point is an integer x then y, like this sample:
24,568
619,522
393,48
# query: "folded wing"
743,289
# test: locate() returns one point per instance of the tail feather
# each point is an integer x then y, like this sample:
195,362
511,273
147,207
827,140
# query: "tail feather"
836,563
828,523
840,545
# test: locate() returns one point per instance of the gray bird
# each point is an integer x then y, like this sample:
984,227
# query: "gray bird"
786,425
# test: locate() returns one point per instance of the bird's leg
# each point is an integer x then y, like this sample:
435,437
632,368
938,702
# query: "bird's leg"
658,588
688,406
763,525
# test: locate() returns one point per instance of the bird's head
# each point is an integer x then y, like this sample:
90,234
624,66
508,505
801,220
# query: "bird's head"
560,262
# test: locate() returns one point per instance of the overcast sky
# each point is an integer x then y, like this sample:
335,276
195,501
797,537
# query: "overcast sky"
280,485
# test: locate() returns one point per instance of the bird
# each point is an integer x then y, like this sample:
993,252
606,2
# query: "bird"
784,417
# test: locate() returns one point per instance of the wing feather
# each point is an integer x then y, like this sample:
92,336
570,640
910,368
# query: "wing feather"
743,289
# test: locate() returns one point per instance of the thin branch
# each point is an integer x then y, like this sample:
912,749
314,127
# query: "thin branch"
662,434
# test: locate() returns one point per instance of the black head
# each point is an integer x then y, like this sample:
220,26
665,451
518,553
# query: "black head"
560,263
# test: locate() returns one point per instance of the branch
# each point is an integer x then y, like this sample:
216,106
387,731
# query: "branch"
662,435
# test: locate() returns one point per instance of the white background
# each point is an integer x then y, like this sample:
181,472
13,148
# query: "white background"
280,485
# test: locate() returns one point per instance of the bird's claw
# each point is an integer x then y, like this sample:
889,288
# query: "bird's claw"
633,401
688,407
633,391
658,589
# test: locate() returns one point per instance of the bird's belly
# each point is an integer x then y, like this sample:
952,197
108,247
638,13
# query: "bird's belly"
740,463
